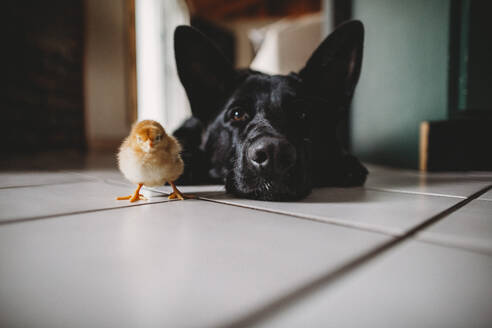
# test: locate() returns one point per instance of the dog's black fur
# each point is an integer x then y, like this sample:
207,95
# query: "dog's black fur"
268,137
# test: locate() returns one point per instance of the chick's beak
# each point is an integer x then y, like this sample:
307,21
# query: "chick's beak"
147,146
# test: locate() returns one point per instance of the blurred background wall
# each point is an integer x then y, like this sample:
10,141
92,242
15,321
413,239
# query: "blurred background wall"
404,80
106,72
423,99
77,73
41,95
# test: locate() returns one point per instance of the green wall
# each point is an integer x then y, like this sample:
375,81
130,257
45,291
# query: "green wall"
404,78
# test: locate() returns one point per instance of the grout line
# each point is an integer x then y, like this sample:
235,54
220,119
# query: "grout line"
358,226
366,227
413,192
51,216
290,298
47,184
363,227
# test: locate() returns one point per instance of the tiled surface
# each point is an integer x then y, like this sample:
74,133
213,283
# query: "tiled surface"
13,179
387,212
444,184
200,191
71,255
469,227
486,196
165,265
480,173
42,201
114,177
100,174
412,285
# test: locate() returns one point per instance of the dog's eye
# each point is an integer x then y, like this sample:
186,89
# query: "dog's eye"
239,115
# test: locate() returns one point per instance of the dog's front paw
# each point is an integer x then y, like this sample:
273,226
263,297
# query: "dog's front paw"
354,174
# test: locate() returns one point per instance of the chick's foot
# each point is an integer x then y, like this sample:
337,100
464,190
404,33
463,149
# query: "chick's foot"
132,198
136,195
177,194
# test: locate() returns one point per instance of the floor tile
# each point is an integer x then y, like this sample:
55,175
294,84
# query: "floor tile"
201,190
486,196
176,264
113,176
101,174
445,184
29,202
480,173
413,285
12,179
387,212
469,227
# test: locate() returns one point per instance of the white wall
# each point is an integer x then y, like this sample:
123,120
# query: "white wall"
105,76
161,96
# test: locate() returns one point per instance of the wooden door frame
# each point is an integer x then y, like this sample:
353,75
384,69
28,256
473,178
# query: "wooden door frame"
131,68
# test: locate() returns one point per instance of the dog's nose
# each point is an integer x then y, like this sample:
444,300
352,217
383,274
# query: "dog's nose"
272,153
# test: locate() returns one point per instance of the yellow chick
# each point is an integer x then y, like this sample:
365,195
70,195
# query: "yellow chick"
150,157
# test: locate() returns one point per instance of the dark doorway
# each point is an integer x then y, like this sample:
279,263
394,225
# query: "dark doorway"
41,94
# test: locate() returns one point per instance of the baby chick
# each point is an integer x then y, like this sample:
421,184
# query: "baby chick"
150,157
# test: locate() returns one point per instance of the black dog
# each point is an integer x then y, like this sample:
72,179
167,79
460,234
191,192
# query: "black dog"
268,137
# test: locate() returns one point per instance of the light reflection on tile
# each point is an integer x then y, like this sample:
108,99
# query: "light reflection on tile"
156,265
23,203
444,184
469,227
413,285
387,212
11,179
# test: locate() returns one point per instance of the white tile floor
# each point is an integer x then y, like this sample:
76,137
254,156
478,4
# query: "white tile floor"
407,250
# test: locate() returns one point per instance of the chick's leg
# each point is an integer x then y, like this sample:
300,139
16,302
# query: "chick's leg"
177,194
136,195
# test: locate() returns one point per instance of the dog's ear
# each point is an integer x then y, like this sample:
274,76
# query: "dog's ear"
334,68
203,70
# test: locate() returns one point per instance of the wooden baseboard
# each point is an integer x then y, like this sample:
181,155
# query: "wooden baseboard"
456,145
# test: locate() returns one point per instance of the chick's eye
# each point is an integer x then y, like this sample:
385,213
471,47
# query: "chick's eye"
239,115
158,138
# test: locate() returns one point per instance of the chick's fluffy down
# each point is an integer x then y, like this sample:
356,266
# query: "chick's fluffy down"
151,169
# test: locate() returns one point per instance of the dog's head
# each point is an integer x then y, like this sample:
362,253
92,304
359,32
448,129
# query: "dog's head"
271,137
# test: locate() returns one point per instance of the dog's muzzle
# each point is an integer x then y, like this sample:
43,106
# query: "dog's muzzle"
271,156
